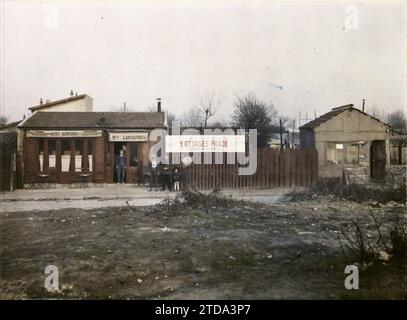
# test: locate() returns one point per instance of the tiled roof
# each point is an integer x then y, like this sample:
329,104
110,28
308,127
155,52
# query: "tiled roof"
67,120
52,103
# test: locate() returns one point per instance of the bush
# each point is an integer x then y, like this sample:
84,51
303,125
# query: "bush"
389,240
380,193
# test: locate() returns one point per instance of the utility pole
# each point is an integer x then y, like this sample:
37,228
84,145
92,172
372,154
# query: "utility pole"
299,119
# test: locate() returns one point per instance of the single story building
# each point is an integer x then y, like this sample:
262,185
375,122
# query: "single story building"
347,138
65,146
69,147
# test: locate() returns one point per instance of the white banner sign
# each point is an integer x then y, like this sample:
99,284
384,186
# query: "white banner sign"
205,143
64,133
128,136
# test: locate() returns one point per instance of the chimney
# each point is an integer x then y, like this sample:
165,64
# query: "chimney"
71,93
124,106
41,101
363,105
158,104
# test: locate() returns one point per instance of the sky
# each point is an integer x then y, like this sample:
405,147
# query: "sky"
303,57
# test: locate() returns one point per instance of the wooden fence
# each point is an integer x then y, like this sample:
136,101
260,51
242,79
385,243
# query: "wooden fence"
8,161
275,168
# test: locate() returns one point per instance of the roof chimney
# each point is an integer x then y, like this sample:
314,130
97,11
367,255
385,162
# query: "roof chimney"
41,101
71,93
363,105
158,104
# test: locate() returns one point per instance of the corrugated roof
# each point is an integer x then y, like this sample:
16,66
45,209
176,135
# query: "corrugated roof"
52,103
67,120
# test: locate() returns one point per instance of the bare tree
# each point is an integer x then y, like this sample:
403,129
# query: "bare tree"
192,118
397,119
209,103
378,113
252,113
170,117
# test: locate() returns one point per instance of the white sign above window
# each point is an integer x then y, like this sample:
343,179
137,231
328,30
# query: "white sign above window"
128,136
64,133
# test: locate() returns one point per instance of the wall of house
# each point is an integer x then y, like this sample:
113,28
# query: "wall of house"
81,105
350,126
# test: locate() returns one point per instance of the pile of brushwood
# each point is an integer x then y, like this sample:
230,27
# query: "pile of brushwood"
194,199
333,187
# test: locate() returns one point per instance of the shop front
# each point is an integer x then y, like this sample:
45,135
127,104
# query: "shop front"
68,156
66,152
135,147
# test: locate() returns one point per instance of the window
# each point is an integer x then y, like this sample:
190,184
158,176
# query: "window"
65,155
52,151
90,155
352,154
78,155
41,154
342,153
133,154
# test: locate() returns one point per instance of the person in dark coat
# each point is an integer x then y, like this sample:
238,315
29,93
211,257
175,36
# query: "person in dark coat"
121,165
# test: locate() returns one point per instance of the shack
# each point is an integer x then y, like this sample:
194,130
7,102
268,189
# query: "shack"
348,140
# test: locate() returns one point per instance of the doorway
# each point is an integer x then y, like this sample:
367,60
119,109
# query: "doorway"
378,159
117,147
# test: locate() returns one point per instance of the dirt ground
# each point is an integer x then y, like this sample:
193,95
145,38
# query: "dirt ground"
245,251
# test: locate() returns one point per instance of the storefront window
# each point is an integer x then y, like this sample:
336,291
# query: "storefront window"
90,155
78,155
133,154
342,153
65,155
41,154
52,151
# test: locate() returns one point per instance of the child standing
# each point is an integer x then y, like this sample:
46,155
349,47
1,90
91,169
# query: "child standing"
176,179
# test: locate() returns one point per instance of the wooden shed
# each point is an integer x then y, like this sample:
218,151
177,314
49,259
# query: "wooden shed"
347,138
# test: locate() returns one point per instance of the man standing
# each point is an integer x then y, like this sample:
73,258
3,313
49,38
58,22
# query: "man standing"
121,162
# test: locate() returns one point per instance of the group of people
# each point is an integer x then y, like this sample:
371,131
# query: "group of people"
173,177
167,176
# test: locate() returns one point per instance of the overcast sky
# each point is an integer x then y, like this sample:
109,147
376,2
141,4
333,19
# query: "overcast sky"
135,52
